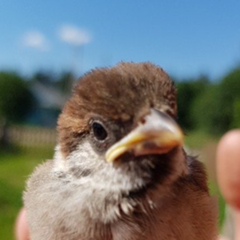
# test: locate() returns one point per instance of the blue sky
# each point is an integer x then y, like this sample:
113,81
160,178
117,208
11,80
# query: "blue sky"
185,37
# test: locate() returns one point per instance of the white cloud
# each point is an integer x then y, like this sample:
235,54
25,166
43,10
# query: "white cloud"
74,36
35,40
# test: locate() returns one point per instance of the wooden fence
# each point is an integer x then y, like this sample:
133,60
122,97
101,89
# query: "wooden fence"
32,137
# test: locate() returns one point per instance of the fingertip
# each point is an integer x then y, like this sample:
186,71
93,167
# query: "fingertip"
228,167
229,141
21,228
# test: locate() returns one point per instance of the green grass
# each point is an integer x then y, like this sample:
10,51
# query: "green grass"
15,168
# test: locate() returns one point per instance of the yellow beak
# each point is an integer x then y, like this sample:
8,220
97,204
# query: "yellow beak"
157,134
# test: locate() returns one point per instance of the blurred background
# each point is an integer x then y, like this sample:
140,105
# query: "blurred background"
45,46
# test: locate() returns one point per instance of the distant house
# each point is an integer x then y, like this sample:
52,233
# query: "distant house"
49,103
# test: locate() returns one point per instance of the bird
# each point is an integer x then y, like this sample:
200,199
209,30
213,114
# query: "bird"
120,170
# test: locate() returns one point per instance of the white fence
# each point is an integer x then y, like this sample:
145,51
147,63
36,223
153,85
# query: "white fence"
32,137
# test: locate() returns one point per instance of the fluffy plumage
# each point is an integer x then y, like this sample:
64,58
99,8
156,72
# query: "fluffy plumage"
159,194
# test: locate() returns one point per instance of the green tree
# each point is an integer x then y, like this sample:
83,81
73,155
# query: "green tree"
16,101
188,92
217,109
205,110
228,103
236,114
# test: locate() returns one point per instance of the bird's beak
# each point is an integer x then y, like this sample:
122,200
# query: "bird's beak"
156,134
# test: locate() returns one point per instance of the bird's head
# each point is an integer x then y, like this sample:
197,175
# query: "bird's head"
119,129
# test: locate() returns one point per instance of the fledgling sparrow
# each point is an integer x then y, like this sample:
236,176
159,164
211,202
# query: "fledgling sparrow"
120,171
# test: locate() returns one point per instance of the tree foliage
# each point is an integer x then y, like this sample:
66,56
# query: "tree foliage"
212,107
16,100
236,114
230,95
205,111
188,92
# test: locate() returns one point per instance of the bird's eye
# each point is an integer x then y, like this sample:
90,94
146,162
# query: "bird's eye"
99,131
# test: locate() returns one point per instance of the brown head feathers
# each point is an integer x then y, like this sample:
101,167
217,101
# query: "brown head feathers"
118,94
